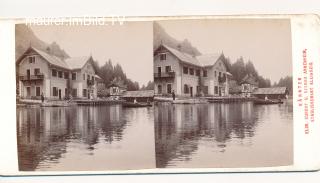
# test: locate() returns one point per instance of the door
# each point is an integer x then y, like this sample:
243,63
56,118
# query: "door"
169,88
159,89
191,91
28,92
28,73
159,71
60,94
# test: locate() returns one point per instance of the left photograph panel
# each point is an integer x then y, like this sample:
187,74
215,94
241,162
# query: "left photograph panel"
83,103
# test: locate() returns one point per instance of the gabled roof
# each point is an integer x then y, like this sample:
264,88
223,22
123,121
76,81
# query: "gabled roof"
250,80
273,90
50,58
77,62
208,59
185,57
69,63
201,60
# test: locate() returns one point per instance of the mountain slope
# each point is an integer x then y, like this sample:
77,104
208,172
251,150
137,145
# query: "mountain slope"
160,36
25,37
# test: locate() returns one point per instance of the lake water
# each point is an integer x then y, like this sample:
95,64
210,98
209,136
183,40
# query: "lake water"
166,135
85,138
224,135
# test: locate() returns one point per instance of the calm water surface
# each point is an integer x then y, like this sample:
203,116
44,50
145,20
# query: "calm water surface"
224,135
85,138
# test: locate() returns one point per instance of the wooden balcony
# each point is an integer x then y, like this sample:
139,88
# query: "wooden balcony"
170,74
31,77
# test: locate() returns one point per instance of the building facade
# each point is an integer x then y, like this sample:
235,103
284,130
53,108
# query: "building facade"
39,72
248,85
189,75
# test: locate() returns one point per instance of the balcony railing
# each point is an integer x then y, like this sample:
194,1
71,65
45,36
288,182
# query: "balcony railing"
31,77
169,74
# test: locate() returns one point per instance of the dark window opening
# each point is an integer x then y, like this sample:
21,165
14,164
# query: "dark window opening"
60,74
168,68
54,73
186,89
37,91
36,71
191,71
185,70
74,76
163,56
197,72
205,73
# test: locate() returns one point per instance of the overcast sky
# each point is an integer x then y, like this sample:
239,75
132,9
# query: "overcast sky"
130,45
267,43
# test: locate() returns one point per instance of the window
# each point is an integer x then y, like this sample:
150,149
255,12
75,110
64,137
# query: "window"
168,68
163,56
205,90
169,88
198,89
216,90
74,76
185,70
215,74
92,78
219,74
32,59
28,73
159,89
66,92
60,74
54,73
191,71
84,76
197,72
84,92
159,69
186,89
74,92
66,75
37,91
36,71
205,73
54,91
88,77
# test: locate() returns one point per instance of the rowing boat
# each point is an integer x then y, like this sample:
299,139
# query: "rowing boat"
266,102
131,104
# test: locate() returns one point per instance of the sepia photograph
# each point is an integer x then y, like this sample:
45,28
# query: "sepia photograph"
84,97
223,93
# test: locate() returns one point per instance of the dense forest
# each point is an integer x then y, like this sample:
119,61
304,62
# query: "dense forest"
239,69
108,72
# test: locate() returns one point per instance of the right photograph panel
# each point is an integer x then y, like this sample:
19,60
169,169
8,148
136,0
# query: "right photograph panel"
223,93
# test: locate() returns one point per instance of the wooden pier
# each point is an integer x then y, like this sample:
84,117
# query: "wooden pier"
97,102
229,99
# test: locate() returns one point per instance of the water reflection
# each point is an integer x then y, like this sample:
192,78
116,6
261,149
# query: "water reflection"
220,135
67,138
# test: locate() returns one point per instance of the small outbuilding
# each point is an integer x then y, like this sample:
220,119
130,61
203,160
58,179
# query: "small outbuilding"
139,95
271,93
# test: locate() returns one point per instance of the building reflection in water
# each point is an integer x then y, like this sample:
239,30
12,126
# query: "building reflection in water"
43,133
179,129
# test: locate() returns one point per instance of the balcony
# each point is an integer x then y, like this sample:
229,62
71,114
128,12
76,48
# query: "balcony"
169,74
31,77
